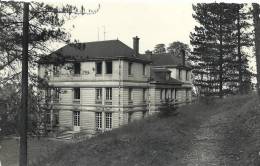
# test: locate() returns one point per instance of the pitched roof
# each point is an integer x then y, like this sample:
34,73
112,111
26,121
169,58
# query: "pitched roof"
109,49
161,70
166,59
159,76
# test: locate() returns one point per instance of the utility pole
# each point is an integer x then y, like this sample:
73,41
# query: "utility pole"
23,112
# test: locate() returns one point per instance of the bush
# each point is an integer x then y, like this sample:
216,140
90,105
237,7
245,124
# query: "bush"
167,110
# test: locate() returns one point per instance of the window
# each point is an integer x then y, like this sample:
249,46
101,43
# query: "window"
144,114
167,76
130,90
130,68
56,95
98,120
56,71
161,94
108,120
144,94
77,68
187,75
165,94
180,76
56,117
98,93
172,93
76,93
144,66
108,93
47,95
109,67
48,117
76,118
98,67
187,94
130,114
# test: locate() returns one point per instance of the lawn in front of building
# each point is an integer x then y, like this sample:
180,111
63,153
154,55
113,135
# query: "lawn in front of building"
37,149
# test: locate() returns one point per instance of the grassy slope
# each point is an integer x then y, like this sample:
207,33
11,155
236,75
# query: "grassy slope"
37,149
164,141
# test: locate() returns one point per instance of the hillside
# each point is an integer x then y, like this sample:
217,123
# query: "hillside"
226,132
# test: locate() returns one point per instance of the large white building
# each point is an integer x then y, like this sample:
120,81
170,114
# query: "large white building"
98,86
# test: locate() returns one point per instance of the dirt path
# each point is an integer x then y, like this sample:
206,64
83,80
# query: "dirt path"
209,148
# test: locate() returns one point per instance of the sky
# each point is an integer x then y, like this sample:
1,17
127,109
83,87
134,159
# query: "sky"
153,22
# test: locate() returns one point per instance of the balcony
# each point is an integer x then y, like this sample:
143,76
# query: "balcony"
76,101
98,101
130,102
81,77
108,102
62,77
76,75
56,100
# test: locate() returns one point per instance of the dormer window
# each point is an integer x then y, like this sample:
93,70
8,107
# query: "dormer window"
56,71
76,68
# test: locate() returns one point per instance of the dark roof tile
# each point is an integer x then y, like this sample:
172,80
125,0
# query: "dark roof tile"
109,49
165,59
159,76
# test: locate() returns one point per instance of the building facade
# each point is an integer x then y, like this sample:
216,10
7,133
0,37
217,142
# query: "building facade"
98,86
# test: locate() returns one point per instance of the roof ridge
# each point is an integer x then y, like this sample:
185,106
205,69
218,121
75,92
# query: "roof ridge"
98,41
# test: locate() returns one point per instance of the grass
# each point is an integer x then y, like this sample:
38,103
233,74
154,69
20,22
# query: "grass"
37,150
162,140
154,141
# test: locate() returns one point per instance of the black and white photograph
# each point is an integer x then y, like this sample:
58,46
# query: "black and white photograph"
129,83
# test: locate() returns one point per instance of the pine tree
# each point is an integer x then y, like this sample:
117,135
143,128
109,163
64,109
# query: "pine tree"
242,40
215,42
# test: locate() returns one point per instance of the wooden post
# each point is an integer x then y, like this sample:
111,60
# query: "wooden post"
23,112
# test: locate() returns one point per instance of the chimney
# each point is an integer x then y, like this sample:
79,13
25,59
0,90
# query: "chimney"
136,45
183,57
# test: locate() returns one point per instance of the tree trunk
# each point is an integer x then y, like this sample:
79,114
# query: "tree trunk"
239,53
256,11
221,56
